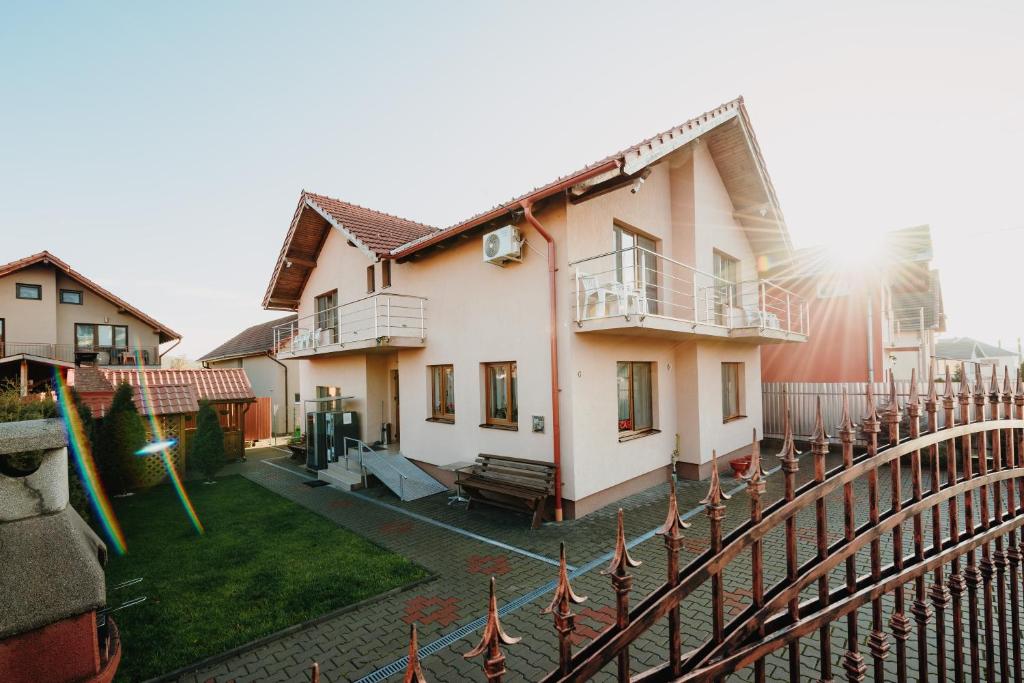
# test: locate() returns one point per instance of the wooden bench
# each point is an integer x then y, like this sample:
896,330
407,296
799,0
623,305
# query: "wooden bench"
513,483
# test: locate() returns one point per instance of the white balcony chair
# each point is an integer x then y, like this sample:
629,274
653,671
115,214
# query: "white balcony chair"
754,317
590,288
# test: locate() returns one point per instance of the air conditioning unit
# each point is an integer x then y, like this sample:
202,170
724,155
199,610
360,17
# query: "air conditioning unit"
503,245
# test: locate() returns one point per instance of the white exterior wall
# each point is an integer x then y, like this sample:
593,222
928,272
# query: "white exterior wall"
477,313
267,379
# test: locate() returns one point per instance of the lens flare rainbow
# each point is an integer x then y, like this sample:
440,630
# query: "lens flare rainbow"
164,453
86,467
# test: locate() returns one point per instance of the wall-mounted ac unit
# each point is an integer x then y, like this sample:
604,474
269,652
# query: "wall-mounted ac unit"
503,245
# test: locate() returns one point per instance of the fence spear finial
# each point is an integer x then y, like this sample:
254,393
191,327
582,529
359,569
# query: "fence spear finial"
913,398
994,383
621,560
755,474
871,422
933,396
716,497
673,523
788,454
948,393
564,594
965,385
491,641
818,436
413,672
979,384
893,407
845,423
1019,390
1007,391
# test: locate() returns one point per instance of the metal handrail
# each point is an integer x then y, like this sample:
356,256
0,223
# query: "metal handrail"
358,320
360,448
638,286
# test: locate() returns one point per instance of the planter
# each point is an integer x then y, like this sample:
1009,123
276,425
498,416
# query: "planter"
739,466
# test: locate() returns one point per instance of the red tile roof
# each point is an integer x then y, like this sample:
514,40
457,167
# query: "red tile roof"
45,257
97,392
214,384
377,231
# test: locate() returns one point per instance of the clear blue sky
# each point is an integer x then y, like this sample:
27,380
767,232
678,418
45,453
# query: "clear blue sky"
160,147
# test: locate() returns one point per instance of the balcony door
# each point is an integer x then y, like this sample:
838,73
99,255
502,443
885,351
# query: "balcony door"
726,271
327,317
3,337
636,265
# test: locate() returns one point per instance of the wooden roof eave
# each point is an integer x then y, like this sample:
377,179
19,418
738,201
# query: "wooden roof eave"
288,259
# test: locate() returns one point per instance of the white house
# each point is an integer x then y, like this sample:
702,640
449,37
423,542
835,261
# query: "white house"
603,321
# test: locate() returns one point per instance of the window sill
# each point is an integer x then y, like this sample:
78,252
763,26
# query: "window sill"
507,428
727,420
442,420
632,436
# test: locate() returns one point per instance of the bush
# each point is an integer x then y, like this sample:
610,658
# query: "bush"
120,435
207,451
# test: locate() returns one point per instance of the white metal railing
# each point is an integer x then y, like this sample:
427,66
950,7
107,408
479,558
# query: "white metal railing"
637,281
375,316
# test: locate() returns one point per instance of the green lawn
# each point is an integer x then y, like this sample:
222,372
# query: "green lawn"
265,563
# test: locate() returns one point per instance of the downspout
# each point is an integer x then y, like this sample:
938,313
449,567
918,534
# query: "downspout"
553,323
286,411
871,342
160,358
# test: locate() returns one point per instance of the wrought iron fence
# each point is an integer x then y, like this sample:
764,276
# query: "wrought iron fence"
972,500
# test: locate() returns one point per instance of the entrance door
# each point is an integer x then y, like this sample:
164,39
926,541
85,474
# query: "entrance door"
394,398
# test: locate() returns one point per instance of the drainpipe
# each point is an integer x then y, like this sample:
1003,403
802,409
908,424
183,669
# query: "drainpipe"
871,342
552,301
160,357
271,357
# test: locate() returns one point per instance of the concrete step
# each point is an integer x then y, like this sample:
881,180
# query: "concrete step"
339,476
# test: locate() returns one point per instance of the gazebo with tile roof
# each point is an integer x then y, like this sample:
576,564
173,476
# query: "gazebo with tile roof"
172,398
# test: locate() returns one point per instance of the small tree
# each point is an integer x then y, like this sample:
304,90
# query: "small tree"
207,452
121,434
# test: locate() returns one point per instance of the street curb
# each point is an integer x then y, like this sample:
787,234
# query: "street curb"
287,631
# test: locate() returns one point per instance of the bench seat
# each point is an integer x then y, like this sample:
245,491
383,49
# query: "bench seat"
512,483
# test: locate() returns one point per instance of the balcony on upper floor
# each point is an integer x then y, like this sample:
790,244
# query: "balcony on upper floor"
69,355
376,323
641,292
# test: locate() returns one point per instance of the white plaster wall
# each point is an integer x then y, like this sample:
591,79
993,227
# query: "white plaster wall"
29,321
96,309
479,312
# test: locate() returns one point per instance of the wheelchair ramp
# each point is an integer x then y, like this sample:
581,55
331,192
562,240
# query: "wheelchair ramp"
404,478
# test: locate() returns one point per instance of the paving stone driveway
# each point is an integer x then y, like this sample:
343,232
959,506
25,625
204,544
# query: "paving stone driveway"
463,549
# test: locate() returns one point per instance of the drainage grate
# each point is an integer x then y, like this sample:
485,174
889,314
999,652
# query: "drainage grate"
313,483
399,665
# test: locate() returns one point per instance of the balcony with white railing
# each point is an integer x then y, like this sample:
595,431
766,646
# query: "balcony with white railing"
638,291
376,322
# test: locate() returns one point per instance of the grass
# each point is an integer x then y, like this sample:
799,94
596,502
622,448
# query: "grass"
264,563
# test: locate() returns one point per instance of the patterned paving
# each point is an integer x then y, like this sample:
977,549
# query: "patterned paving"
366,643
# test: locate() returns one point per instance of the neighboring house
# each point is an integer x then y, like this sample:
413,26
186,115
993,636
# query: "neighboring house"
629,295
53,317
170,399
867,316
253,351
975,355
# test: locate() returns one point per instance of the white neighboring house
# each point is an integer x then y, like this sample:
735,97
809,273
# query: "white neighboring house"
252,350
976,354
643,331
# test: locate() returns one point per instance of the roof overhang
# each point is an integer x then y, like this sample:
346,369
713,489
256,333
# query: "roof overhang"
730,139
306,236
165,333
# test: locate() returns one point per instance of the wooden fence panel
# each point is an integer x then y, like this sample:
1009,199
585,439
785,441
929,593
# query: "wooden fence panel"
258,421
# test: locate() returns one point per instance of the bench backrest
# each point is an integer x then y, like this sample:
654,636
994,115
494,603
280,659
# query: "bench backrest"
517,471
